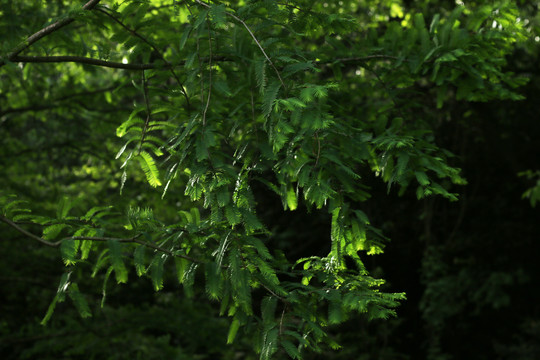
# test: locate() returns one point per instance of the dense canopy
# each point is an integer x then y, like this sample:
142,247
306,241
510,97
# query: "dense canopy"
239,179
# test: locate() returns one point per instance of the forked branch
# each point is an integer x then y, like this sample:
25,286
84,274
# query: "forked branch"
44,32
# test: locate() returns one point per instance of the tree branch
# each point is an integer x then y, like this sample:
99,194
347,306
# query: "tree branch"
148,111
29,234
254,39
357,59
133,239
44,32
102,63
51,105
154,47
84,60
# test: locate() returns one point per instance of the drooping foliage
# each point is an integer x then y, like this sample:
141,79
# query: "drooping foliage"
157,131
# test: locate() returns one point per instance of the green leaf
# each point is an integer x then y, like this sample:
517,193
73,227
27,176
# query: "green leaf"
97,211
292,200
132,121
50,310
139,260
201,18
104,287
270,344
149,167
270,95
240,279
268,308
185,36
115,254
156,271
260,247
189,279
52,231
69,249
422,178
233,330
63,207
232,214
217,13
182,266
213,280
222,249
79,301
335,311
251,222
291,349
260,74
59,297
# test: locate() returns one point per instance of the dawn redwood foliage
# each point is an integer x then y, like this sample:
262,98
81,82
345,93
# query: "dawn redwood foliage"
161,118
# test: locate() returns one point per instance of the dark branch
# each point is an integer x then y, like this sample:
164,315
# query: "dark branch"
154,47
44,32
27,108
357,59
102,63
133,239
148,111
52,105
29,234
84,60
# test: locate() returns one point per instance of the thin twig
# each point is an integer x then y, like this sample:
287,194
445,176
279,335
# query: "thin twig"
44,32
148,111
86,93
27,108
281,321
133,239
138,66
209,77
39,107
29,234
154,47
168,252
357,59
201,69
102,63
254,39
318,148
85,60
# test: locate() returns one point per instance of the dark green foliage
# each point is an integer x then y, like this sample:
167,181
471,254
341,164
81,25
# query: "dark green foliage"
178,137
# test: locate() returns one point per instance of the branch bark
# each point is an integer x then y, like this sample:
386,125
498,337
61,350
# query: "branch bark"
44,32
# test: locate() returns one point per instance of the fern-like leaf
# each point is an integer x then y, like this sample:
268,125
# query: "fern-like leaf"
156,271
115,252
79,301
139,260
149,167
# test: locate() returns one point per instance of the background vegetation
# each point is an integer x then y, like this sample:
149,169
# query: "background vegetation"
262,179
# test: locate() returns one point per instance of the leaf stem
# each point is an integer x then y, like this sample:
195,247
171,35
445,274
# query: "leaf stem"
133,239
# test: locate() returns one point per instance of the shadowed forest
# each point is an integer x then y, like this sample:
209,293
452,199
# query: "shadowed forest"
269,179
